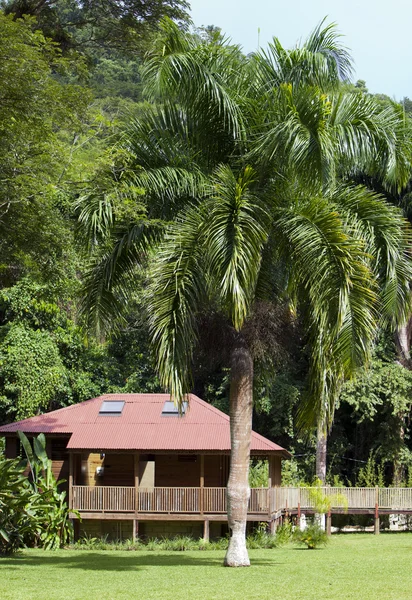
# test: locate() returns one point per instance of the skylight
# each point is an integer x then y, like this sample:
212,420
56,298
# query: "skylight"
171,410
111,408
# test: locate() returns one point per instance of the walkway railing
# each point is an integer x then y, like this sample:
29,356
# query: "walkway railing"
212,500
163,499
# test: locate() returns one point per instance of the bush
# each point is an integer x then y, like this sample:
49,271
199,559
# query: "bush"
284,534
312,537
17,520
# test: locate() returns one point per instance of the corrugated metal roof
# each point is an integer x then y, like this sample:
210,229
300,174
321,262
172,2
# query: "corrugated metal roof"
141,426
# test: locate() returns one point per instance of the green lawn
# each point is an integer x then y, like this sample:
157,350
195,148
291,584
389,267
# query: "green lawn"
361,566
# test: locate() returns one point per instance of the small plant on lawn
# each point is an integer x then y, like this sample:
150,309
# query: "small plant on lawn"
260,538
312,537
284,534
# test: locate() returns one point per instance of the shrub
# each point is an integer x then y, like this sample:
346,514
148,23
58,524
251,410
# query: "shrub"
16,518
284,534
312,537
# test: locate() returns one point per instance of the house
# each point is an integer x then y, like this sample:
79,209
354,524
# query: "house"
135,466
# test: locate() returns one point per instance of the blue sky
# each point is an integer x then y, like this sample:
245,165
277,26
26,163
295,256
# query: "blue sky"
378,32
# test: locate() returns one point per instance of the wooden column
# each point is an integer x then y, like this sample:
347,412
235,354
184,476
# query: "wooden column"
136,482
206,530
275,467
376,511
202,485
135,529
329,523
270,474
71,479
273,526
376,530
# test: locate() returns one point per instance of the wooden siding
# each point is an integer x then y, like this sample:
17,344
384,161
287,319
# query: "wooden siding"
172,471
216,470
275,471
11,447
118,469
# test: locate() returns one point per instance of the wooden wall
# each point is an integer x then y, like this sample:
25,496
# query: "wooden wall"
172,470
118,469
275,471
216,470
184,470
11,447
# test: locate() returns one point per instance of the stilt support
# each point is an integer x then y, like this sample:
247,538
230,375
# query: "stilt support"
206,529
135,530
329,523
376,531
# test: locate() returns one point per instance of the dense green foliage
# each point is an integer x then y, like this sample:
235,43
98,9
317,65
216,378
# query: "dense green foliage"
16,517
33,510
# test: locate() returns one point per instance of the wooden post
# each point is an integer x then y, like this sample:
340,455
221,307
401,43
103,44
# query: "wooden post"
202,485
329,523
376,519
270,482
299,515
135,529
376,510
136,483
206,530
273,526
71,472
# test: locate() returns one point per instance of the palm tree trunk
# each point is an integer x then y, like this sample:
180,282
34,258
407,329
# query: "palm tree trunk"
403,343
321,449
238,491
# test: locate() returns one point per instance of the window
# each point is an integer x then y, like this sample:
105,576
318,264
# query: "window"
171,410
111,408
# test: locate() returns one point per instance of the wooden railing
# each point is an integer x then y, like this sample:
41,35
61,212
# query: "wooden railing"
161,500
263,501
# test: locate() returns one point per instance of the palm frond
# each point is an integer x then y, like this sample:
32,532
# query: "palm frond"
177,290
235,233
198,77
111,274
321,61
387,239
330,275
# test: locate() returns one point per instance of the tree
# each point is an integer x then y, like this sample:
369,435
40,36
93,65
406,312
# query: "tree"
123,25
37,111
246,168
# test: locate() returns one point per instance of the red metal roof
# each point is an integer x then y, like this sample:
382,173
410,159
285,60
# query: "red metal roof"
141,426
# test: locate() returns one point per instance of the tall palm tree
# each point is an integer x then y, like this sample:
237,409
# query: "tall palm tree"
246,167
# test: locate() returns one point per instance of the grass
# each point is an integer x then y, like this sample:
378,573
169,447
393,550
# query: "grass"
357,566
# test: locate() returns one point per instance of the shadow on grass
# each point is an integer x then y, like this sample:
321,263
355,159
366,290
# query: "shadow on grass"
93,561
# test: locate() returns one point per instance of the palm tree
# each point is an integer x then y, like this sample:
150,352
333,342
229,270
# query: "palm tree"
246,167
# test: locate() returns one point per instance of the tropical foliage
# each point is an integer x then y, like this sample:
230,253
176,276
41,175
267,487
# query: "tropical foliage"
248,201
33,510
16,517
250,166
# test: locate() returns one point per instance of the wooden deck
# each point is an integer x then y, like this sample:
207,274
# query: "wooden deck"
210,503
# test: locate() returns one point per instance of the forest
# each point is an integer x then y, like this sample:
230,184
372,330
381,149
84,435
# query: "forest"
104,153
